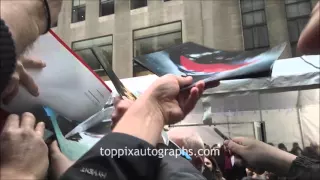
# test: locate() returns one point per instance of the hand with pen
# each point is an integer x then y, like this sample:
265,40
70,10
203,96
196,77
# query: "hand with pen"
173,104
259,156
162,91
161,104
165,96
121,105
166,88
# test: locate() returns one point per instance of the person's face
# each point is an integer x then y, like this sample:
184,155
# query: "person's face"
208,163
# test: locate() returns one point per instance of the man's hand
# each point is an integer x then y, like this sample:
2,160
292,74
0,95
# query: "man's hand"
309,41
259,156
23,152
21,76
173,104
120,107
162,103
59,162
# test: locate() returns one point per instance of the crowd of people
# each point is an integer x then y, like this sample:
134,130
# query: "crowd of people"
312,151
137,125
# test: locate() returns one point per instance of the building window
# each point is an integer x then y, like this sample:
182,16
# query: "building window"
152,39
298,12
84,49
106,7
78,11
255,30
135,4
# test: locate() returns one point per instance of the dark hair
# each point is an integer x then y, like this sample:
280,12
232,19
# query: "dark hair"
214,146
206,146
311,152
271,144
296,151
282,147
215,168
295,145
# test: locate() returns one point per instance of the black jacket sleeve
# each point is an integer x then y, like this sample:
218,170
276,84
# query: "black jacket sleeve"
132,158
304,168
7,55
